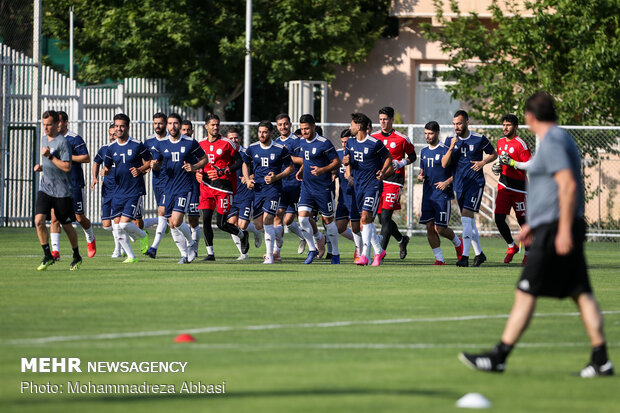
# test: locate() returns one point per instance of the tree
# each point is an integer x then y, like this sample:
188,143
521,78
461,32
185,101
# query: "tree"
568,48
198,46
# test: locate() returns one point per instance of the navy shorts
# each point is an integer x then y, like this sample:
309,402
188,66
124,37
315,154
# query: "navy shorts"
471,197
160,198
322,201
242,208
78,201
266,201
194,201
106,208
289,199
346,209
368,198
437,211
178,202
130,207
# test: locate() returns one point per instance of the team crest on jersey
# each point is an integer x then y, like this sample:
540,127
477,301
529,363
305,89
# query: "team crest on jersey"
219,151
365,150
182,149
211,148
511,150
273,156
385,141
129,152
392,145
505,146
437,157
313,151
471,148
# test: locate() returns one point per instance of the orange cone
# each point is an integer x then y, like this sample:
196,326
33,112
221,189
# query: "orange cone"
184,338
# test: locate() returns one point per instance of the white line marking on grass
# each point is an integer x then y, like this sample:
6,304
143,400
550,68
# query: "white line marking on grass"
206,330
378,346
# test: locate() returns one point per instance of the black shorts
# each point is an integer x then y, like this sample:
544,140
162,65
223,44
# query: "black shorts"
550,275
63,207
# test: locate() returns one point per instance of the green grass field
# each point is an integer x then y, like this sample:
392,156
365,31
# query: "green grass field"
281,347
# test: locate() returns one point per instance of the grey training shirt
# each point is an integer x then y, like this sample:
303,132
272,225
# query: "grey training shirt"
557,151
54,182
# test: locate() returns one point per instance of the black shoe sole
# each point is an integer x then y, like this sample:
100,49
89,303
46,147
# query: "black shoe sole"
403,247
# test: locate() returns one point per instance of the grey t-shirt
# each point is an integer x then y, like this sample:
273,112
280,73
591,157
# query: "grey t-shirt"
557,151
54,182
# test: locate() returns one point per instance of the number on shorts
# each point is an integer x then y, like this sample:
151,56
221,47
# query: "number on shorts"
519,206
247,211
224,202
274,205
330,207
369,201
182,202
390,198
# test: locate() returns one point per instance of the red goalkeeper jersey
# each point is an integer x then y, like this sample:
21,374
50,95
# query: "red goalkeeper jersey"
220,154
511,178
399,146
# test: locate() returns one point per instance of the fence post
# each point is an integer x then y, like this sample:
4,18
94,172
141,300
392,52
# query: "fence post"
4,137
410,214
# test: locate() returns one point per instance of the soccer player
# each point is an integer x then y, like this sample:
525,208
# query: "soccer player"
403,154
240,214
55,190
318,159
176,157
368,161
346,211
291,188
437,194
466,155
130,159
556,231
158,180
512,183
107,192
193,213
218,185
79,155
265,159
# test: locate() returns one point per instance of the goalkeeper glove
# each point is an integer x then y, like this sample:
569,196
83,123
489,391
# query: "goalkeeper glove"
496,168
505,159
399,164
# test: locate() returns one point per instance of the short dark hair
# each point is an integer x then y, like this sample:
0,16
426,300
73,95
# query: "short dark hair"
297,132
307,118
233,129
211,116
187,122
345,133
283,116
361,119
461,113
63,115
176,116
111,126
160,115
319,130
542,106
51,114
386,110
510,118
123,117
432,125
266,124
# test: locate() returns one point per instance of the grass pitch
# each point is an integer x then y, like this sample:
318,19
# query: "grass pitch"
292,337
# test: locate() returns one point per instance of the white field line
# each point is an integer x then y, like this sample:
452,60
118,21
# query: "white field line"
217,329
378,346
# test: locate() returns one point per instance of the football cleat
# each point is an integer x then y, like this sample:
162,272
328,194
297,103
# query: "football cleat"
75,264
328,256
479,259
245,242
144,243
459,250
45,263
311,256
279,241
463,261
268,260
56,255
243,257
191,254
335,259
116,254
151,252
362,260
320,246
277,256
437,262
258,240
378,259
183,260
302,246
594,370
483,362
130,260
209,258
403,247
91,249
510,253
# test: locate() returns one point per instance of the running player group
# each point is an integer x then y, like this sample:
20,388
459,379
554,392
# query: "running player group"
267,186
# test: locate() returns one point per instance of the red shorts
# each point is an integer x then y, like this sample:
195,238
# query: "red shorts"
213,199
507,199
390,198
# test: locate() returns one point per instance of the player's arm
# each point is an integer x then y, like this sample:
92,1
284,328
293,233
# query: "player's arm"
200,164
285,172
444,184
249,181
297,160
334,164
490,150
237,162
446,160
567,200
387,168
80,152
64,166
95,174
421,174
81,158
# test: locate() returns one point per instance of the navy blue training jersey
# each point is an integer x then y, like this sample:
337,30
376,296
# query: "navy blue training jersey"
430,163
263,160
366,159
243,192
107,186
316,152
78,147
158,178
292,145
465,151
123,157
346,190
173,155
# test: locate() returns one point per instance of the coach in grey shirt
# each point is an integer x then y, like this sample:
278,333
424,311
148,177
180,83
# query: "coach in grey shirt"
55,190
556,232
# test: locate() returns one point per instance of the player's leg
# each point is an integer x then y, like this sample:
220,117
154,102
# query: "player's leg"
592,319
65,214
207,219
326,206
434,242
224,203
162,222
131,209
79,206
43,209
356,229
181,233
519,206
54,235
469,203
233,219
442,211
503,204
390,202
278,225
193,217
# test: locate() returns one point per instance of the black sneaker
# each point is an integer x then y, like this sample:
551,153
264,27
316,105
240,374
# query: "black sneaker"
75,264
403,247
483,362
328,256
479,259
209,258
245,242
47,261
594,370
463,261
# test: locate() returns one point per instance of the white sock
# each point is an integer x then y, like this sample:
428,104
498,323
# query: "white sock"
55,238
89,234
270,237
210,250
359,244
317,237
180,240
475,239
512,244
162,224
306,228
467,234
438,254
328,243
294,228
456,241
196,234
151,222
124,241
132,229
279,232
376,245
347,233
332,235
187,233
237,242
252,228
366,235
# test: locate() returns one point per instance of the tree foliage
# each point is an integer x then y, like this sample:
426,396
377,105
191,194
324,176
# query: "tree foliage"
568,48
198,45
